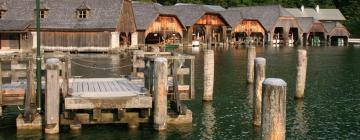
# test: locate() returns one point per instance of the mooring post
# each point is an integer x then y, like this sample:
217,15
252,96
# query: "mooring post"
160,93
251,55
301,74
273,115
260,64
52,96
208,75
30,98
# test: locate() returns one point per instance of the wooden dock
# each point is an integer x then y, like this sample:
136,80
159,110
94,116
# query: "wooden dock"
107,93
76,101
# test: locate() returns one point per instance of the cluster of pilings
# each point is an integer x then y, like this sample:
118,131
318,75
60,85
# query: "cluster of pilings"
269,101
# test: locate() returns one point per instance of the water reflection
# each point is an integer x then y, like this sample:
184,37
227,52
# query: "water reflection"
29,134
300,119
208,121
52,137
195,50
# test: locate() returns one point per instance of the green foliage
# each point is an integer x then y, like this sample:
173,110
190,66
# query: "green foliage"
350,8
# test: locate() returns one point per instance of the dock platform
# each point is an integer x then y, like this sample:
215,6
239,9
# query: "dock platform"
107,93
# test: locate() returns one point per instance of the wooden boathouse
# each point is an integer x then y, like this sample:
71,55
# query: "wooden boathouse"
314,31
323,25
204,23
156,25
281,26
244,30
68,25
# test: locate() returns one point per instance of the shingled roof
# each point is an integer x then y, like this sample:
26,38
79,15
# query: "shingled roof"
323,14
336,29
233,17
305,23
190,13
267,15
146,13
104,14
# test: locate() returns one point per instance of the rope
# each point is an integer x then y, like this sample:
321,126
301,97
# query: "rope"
94,67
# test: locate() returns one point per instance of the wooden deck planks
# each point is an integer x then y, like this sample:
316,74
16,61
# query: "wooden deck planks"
105,87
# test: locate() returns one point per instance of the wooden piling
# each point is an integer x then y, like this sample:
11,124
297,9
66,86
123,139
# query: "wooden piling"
52,96
251,55
273,115
301,73
260,64
160,93
30,97
208,75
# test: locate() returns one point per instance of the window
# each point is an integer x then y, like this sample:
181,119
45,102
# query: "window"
43,13
2,13
82,13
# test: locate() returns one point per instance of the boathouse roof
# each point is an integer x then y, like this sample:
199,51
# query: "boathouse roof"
190,13
305,23
322,14
103,14
267,15
335,28
233,17
146,13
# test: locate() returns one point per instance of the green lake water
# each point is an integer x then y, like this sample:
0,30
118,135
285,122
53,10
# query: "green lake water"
330,110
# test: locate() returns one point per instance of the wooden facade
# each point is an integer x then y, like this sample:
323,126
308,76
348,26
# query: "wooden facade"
75,39
165,29
210,28
284,30
249,28
15,40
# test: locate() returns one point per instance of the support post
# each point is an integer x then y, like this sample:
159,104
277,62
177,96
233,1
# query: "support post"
260,64
160,93
52,96
273,115
208,75
301,73
251,55
34,39
115,36
30,98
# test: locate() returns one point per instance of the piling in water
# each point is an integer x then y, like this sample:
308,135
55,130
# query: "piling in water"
208,75
273,115
251,55
260,64
52,96
160,93
301,74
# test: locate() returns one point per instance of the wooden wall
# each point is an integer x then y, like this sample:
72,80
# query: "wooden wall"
210,19
165,24
9,41
127,19
76,39
248,27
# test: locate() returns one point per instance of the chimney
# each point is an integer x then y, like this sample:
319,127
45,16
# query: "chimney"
302,8
317,8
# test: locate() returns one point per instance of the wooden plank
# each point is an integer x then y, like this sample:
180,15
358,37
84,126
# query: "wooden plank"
102,86
183,71
80,86
107,86
92,86
116,85
90,103
112,87
85,86
18,67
